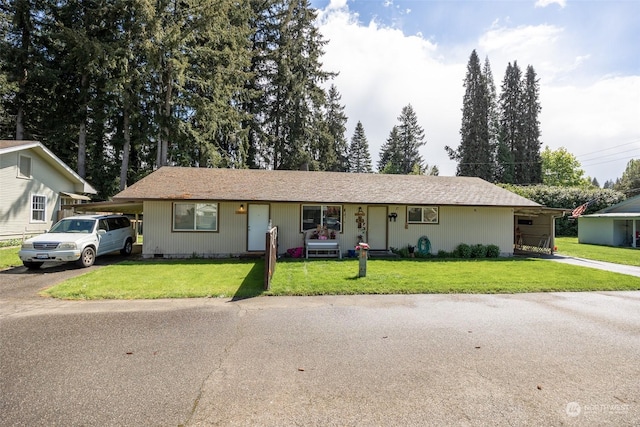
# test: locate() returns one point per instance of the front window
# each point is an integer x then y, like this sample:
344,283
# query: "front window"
329,216
422,215
38,208
195,216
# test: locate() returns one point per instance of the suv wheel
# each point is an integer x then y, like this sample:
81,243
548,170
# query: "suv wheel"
32,265
127,249
87,258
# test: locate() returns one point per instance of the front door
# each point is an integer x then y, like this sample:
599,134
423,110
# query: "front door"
377,227
257,226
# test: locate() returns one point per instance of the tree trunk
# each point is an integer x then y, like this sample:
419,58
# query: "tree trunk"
20,124
82,133
126,149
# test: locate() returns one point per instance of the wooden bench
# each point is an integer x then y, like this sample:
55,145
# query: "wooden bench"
321,248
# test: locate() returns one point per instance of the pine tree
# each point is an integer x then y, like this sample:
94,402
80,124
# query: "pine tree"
390,161
475,153
336,148
410,139
629,183
359,156
493,115
511,146
532,162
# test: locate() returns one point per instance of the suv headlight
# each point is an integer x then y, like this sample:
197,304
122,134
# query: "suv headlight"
27,246
68,245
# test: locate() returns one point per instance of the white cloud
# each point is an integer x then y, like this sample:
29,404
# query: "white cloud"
381,70
545,3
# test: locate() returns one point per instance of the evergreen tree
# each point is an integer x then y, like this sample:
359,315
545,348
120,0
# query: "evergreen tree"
493,115
532,163
359,157
335,150
511,144
410,137
475,153
629,183
390,160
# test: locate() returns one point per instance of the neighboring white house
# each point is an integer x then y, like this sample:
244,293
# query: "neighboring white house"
34,184
226,212
617,225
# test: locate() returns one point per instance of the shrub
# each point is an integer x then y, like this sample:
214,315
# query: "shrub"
462,251
478,251
493,251
444,254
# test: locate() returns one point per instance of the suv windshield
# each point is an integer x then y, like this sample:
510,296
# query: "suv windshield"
73,226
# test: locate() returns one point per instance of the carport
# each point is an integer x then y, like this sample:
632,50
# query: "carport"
534,229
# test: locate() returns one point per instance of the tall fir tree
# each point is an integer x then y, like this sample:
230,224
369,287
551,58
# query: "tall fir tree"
359,156
475,153
336,148
493,115
390,159
401,153
532,170
511,144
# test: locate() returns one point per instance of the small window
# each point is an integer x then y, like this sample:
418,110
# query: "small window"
38,208
329,216
24,167
422,215
195,216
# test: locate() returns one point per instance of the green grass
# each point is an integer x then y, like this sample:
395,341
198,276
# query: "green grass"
241,279
570,246
9,257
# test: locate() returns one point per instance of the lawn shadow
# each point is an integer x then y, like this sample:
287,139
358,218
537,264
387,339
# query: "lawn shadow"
253,284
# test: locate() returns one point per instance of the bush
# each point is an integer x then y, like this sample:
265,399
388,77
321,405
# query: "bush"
444,254
478,251
462,251
493,251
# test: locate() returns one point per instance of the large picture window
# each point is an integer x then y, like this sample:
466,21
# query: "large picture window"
195,217
38,208
422,214
329,216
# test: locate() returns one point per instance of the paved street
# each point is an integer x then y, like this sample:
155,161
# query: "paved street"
537,359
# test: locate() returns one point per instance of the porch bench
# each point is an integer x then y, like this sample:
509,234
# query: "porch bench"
321,248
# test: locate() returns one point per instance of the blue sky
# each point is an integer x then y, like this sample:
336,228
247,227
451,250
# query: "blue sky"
390,53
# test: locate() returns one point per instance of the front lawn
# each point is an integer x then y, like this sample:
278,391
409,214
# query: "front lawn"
570,246
9,257
241,279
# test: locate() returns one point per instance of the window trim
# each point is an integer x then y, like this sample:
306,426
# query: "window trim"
195,208
423,215
20,174
322,209
32,209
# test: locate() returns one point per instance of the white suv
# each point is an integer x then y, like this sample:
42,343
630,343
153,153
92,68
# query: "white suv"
80,239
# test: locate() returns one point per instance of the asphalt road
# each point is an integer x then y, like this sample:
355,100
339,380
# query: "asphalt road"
534,359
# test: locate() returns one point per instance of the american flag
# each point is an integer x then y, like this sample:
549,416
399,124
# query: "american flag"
580,210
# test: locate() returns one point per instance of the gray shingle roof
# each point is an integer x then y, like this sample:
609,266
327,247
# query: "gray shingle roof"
177,183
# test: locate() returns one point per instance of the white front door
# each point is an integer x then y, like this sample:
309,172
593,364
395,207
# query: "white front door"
258,224
377,227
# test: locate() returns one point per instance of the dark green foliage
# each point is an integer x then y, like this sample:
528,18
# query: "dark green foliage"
475,154
401,153
629,184
493,251
568,198
359,157
462,251
478,251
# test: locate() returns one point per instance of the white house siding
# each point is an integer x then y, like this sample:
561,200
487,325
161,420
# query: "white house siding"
456,225
596,231
15,199
471,225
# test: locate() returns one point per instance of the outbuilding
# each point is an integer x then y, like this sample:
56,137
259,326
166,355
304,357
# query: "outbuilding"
617,225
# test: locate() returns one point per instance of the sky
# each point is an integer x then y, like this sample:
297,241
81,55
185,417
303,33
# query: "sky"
586,54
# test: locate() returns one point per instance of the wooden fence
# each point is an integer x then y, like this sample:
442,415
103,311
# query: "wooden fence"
270,256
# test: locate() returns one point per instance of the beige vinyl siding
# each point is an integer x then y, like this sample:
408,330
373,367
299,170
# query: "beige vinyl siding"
471,225
15,200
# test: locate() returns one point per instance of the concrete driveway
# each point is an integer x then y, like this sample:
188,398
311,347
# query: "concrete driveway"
538,359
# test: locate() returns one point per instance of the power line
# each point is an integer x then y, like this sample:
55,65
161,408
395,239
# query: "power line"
609,148
612,154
